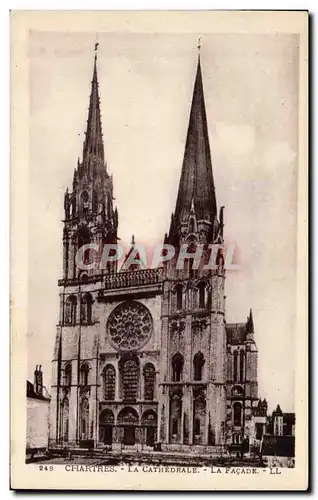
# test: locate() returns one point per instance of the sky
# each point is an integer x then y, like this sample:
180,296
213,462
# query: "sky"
145,84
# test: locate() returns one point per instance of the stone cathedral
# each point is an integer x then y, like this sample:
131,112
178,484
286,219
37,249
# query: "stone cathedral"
145,356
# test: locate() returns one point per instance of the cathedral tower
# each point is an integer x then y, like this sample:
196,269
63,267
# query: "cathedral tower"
90,218
144,355
89,213
193,366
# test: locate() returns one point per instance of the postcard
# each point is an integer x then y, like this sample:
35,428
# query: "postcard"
159,300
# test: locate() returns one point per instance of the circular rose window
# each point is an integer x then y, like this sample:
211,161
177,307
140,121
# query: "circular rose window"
129,326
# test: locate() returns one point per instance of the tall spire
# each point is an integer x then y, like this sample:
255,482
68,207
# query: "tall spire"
93,143
196,186
250,323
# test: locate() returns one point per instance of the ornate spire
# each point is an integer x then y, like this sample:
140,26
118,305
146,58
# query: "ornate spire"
250,323
93,144
196,186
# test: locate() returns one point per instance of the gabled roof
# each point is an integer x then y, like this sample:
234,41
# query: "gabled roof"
30,392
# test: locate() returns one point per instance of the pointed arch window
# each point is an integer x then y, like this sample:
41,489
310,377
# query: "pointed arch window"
84,238
70,310
237,414
191,225
84,371
109,376
177,367
235,367
179,298
197,427
202,295
130,379
68,375
94,201
198,363
86,309
84,202
149,381
242,356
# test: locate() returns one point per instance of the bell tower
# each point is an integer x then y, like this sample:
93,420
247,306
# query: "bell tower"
194,354
89,213
89,219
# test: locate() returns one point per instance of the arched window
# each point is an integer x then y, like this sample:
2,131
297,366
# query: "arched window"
149,381
235,367
202,293
68,375
177,367
197,427
84,277
84,238
70,310
94,202
109,376
84,374
237,391
198,362
191,225
179,290
130,380
237,414
242,355
174,426
84,422
84,201
86,309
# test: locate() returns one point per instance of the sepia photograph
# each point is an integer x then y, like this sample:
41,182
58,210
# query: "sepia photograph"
164,178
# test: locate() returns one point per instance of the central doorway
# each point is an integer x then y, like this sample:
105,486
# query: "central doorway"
108,434
129,435
128,420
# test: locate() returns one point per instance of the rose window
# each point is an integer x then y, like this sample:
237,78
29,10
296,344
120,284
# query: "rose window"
129,326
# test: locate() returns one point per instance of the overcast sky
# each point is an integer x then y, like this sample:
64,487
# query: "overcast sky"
146,83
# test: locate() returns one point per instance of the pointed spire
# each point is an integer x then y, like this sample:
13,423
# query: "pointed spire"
196,182
250,323
93,143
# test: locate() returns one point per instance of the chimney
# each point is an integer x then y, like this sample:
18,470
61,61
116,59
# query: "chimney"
38,380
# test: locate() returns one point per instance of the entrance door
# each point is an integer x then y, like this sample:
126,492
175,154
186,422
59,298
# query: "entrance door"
108,435
150,438
129,435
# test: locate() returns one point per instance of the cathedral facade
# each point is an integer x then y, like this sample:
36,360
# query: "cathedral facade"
145,355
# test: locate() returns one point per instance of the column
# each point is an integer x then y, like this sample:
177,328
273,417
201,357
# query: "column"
53,416
73,404
182,419
208,405
93,409
167,419
187,368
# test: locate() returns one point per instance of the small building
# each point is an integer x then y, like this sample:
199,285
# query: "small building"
258,426
38,404
278,451
280,423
